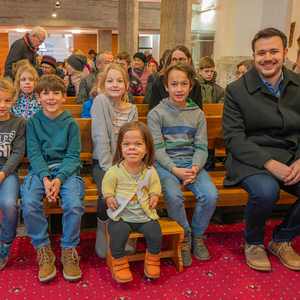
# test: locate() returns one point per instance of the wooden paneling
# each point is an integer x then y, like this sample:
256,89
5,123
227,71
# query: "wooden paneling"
4,48
85,42
114,45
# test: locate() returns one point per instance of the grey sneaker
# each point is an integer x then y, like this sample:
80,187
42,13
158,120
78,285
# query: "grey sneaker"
199,249
186,248
4,254
101,239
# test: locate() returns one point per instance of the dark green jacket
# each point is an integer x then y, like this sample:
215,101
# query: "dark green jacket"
257,126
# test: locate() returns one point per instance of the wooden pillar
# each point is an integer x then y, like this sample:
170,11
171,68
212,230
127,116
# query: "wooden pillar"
175,24
128,17
104,40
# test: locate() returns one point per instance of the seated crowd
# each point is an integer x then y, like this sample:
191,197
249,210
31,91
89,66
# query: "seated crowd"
134,163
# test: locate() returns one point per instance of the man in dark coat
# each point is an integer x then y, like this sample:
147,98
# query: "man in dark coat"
261,129
25,47
103,58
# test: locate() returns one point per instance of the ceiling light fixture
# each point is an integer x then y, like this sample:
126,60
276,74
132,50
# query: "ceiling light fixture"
54,14
57,5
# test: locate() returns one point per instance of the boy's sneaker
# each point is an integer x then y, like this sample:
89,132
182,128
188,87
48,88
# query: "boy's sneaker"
70,262
186,248
199,249
4,254
46,261
101,239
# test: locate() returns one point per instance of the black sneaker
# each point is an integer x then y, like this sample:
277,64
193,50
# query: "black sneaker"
199,249
186,248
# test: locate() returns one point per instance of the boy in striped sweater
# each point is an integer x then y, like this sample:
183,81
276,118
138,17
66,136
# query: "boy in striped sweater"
178,127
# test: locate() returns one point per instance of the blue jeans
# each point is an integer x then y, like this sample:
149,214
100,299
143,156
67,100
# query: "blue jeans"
264,192
204,190
9,193
71,194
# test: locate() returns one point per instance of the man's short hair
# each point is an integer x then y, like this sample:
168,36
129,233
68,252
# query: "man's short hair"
206,62
124,55
37,31
100,55
267,33
50,82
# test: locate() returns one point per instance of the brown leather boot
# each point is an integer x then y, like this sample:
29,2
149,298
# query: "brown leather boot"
70,262
286,254
152,265
46,261
256,257
121,269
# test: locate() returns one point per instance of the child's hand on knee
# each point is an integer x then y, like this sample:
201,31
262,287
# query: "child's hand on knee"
154,201
186,175
112,203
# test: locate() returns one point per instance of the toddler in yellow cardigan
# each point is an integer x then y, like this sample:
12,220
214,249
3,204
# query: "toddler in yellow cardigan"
132,188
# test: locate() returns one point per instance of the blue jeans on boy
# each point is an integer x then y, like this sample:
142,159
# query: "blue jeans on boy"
71,194
264,192
9,193
204,190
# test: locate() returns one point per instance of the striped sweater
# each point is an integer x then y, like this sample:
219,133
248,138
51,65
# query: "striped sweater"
178,133
119,184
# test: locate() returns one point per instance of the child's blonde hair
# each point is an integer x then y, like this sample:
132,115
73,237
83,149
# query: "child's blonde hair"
96,83
15,66
148,159
6,85
25,68
124,74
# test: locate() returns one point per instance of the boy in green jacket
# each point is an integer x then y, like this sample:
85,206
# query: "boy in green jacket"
53,150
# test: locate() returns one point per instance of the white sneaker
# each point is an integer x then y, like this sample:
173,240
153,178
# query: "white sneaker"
101,239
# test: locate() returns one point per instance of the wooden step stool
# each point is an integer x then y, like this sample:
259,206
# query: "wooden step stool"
168,227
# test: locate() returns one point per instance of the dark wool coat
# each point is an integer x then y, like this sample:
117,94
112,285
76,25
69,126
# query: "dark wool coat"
19,50
257,126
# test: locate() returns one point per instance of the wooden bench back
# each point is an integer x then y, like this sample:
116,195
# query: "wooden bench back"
215,109
71,100
138,99
74,109
214,134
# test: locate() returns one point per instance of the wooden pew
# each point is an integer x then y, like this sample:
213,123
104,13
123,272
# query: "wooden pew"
74,109
143,109
215,109
138,99
71,100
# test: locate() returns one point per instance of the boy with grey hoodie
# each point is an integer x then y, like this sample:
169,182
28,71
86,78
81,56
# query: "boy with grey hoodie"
178,127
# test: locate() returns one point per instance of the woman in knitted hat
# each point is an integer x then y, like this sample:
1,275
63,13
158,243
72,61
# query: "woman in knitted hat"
139,70
152,65
76,71
48,66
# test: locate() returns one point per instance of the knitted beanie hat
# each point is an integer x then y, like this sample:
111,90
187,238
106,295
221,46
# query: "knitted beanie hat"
141,56
49,60
152,61
77,61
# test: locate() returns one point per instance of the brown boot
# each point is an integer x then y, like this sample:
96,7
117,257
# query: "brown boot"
46,261
70,262
286,254
256,257
152,265
121,269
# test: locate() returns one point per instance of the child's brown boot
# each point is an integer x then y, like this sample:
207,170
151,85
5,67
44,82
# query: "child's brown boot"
152,265
121,269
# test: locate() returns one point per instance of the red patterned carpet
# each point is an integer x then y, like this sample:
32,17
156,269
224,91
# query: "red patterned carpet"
224,276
